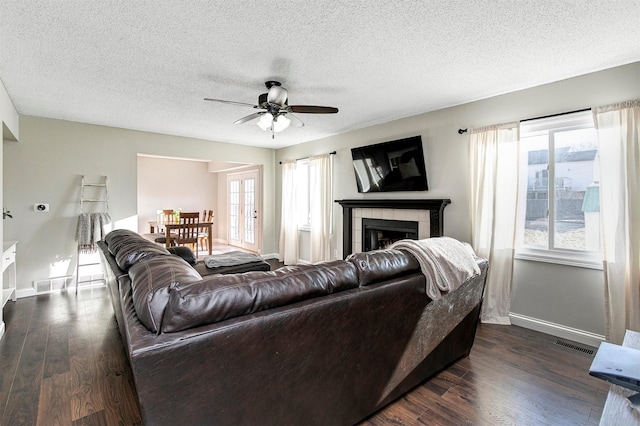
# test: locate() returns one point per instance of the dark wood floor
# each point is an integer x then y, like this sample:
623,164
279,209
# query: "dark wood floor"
62,363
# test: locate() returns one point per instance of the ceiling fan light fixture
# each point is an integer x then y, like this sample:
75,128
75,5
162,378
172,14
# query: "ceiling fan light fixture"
280,123
265,122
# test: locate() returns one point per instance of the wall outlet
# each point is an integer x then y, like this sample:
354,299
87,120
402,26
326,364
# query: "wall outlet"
41,207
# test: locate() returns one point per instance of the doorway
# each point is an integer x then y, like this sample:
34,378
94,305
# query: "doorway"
245,210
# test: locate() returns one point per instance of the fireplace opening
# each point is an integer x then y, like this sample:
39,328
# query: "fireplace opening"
380,233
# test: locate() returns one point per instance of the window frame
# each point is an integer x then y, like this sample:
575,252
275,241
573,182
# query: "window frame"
550,126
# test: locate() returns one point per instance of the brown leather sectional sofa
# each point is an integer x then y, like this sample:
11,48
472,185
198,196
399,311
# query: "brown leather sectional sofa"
325,344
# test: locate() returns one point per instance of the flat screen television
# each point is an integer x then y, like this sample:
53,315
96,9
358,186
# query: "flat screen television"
390,166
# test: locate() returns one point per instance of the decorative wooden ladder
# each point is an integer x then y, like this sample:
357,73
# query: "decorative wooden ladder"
96,194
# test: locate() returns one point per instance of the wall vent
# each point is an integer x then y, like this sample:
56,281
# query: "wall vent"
575,347
51,285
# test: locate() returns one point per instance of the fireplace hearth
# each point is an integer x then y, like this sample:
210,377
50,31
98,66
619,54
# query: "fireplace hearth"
381,233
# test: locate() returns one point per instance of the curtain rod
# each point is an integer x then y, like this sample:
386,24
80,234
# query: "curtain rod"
304,158
461,131
556,115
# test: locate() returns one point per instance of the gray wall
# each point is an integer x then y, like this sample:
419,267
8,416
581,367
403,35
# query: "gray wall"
547,295
46,165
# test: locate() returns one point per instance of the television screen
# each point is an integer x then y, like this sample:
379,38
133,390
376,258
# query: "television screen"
390,166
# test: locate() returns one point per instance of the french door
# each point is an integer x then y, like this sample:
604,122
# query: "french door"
244,199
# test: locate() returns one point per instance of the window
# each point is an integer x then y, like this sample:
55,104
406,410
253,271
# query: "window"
559,193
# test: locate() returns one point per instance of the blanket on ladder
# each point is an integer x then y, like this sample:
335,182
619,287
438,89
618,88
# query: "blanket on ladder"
445,262
90,230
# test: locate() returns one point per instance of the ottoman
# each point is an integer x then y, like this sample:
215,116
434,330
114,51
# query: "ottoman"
233,262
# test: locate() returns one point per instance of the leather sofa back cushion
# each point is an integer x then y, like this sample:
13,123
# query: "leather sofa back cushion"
150,282
136,249
119,237
129,247
219,297
381,265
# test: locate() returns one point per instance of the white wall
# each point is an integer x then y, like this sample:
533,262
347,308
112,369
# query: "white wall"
9,130
564,295
46,167
8,116
165,183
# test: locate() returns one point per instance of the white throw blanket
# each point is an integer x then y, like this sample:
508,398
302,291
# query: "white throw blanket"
90,230
445,262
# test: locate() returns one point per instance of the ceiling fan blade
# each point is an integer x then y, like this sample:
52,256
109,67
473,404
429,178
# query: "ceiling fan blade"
312,109
249,117
295,121
277,95
230,102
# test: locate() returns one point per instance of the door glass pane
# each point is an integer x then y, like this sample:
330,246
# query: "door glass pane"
536,155
575,214
234,209
249,211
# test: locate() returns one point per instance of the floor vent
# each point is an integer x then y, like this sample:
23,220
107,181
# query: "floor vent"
575,347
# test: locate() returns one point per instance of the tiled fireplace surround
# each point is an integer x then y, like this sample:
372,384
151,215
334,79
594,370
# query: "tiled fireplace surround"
428,214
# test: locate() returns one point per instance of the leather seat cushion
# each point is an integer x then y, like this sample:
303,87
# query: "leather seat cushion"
381,265
219,297
150,282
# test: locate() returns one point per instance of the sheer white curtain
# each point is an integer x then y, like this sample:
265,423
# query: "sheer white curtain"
288,250
619,150
494,192
320,206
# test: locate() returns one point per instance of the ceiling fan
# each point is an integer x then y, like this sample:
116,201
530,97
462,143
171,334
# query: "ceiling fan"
276,114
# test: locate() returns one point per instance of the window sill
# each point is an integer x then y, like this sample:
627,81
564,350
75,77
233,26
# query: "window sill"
304,228
579,260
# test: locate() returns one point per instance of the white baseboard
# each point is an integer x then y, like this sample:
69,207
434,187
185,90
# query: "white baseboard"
270,256
25,292
573,334
1,329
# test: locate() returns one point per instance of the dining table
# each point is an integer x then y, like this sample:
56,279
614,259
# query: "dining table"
208,226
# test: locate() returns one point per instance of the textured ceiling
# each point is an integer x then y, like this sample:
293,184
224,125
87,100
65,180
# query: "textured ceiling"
147,65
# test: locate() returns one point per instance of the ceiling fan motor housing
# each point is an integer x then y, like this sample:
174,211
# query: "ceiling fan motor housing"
263,103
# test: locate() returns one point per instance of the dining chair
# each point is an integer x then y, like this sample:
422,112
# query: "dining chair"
203,233
165,217
187,231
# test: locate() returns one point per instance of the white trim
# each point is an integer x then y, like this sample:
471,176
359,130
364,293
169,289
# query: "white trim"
270,256
1,329
565,257
25,292
558,330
